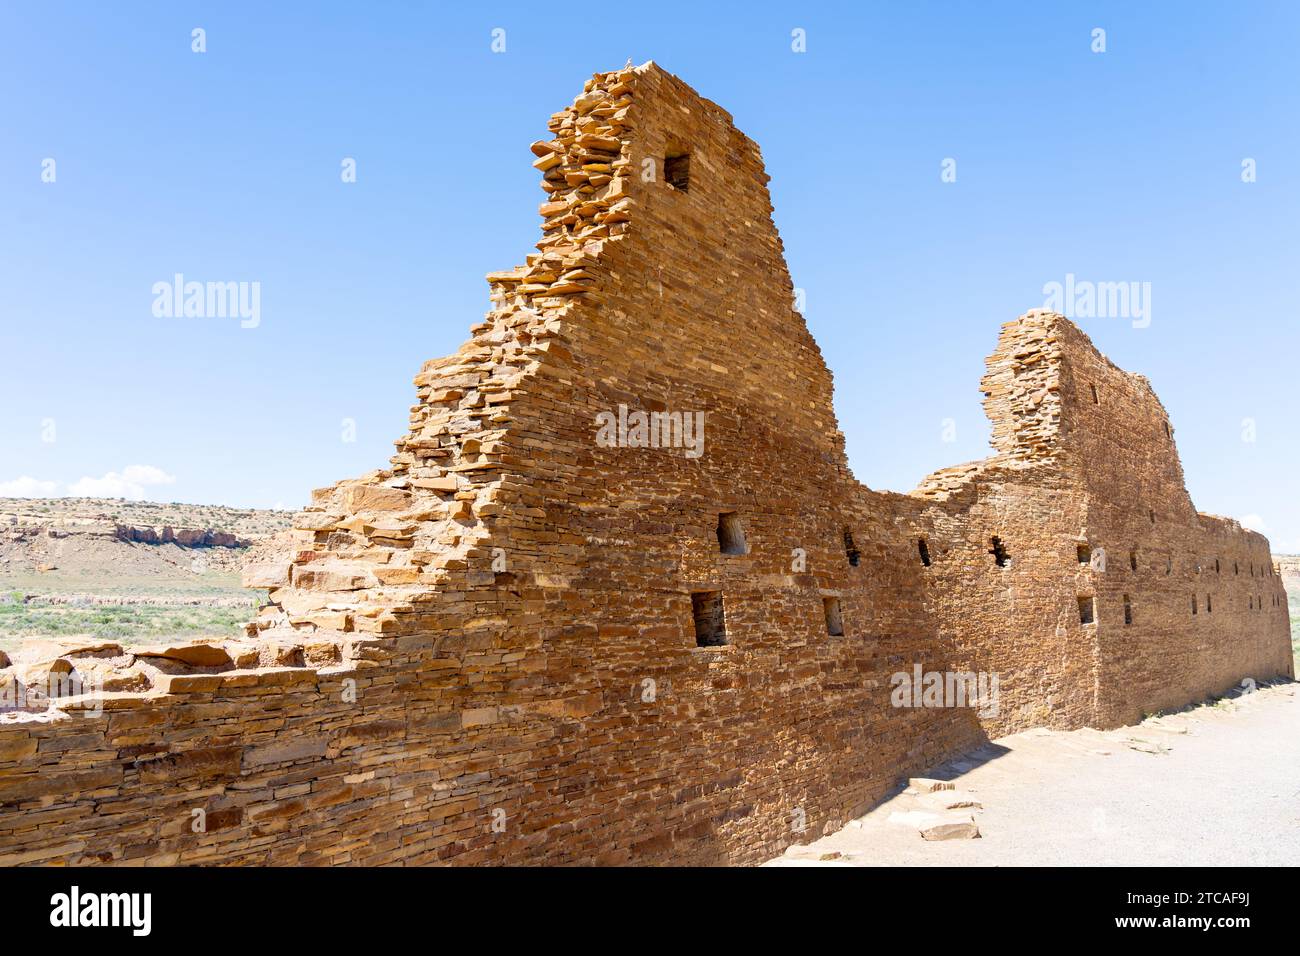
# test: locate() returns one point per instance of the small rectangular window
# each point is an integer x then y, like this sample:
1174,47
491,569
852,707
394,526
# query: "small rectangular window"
850,549
924,550
834,622
677,171
710,621
731,536
1193,603
1133,560
1209,604
1084,553
1086,615
999,552
1128,610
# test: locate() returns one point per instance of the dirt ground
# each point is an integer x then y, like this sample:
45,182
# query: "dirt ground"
1213,785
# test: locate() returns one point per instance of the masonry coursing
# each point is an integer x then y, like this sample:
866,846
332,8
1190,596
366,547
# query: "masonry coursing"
487,652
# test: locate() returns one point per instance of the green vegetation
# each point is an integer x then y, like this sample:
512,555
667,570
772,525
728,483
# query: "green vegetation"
83,579
128,622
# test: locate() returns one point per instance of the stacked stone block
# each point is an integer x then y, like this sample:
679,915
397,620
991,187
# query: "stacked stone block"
491,651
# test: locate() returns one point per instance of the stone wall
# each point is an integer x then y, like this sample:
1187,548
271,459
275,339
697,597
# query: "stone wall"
1087,469
488,651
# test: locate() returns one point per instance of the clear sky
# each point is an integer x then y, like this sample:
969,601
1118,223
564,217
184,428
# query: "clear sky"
1117,166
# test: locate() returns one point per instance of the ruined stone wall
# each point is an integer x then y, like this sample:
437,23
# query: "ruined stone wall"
1086,495
487,652
1163,556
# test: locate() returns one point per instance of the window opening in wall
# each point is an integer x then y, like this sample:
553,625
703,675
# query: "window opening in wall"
1209,604
1216,566
834,622
1095,399
850,549
1086,609
677,171
1193,603
1133,560
710,621
999,551
1235,569
1151,513
731,536
1169,566
924,550
1084,553
1128,610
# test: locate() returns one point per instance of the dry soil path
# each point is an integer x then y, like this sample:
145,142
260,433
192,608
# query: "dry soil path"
1215,785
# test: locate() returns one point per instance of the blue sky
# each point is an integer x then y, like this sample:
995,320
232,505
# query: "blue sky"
1115,166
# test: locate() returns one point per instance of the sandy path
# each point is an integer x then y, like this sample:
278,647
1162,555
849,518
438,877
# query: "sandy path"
1223,787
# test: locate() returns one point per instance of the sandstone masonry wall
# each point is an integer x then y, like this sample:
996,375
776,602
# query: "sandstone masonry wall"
488,653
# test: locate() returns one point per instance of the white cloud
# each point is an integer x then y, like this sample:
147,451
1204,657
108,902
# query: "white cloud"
131,482
1254,523
28,487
